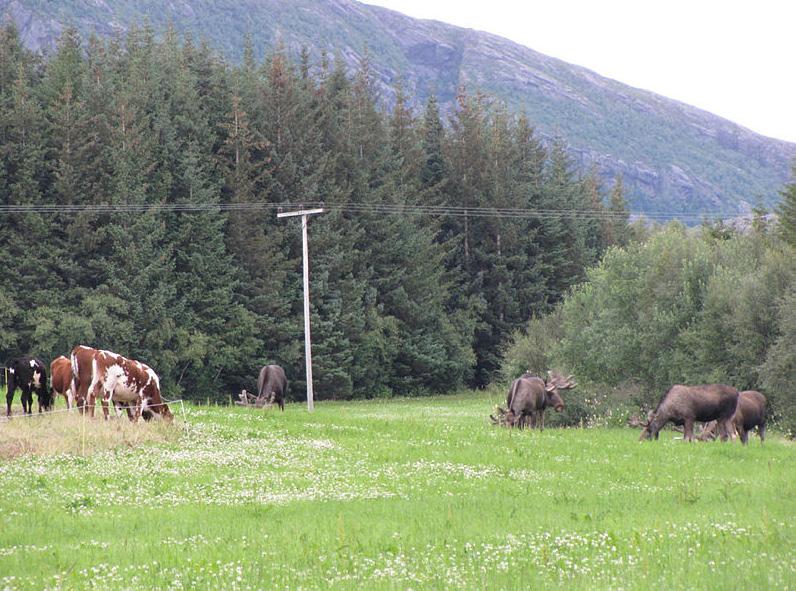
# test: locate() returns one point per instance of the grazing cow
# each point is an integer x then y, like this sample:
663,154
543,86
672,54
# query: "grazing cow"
529,396
29,375
271,386
61,380
117,379
684,405
82,360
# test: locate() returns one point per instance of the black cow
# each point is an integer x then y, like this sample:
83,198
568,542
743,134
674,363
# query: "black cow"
29,375
271,386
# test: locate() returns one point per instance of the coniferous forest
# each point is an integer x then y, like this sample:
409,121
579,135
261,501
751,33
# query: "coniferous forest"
141,178
140,182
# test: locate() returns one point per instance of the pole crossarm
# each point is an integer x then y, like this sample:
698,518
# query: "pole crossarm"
288,214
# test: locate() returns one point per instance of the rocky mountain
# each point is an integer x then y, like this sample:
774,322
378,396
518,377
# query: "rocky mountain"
673,157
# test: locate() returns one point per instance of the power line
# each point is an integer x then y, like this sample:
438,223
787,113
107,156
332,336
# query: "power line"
379,208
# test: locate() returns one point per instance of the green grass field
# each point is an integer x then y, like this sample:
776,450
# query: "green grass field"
399,494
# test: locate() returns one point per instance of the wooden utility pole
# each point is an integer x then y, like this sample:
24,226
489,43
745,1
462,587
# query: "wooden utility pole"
306,256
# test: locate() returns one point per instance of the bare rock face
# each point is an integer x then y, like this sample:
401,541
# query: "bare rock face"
673,157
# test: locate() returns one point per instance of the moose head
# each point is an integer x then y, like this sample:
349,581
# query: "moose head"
555,382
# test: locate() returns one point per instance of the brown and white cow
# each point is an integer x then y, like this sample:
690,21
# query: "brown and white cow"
61,380
82,360
114,378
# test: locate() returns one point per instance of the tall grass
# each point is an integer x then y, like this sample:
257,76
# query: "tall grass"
398,494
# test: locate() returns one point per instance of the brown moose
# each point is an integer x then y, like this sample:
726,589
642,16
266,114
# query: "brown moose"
530,395
685,405
750,413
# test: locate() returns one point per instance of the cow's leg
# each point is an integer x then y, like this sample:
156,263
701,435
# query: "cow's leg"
9,399
95,390
688,430
140,407
27,401
106,399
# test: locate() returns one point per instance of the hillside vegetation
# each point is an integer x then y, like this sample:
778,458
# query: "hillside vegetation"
686,306
674,158
419,493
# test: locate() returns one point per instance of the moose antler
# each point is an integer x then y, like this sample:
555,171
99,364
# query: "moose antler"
556,380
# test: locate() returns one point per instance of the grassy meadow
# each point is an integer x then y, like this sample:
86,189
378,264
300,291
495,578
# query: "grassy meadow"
395,494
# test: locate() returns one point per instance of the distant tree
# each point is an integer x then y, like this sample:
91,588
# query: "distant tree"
786,210
432,172
617,226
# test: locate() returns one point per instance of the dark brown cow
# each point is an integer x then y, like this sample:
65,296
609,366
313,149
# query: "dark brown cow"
117,379
61,380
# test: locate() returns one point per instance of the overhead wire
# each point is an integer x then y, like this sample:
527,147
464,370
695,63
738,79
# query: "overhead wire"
379,208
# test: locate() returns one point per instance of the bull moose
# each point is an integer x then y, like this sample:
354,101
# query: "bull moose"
530,395
684,405
271,386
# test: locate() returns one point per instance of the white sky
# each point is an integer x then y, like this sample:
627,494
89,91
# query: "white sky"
736,59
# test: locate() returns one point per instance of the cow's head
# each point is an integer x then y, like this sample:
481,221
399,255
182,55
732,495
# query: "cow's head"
555,382
47,399
163,412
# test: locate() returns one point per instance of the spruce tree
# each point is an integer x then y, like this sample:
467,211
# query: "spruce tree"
618,226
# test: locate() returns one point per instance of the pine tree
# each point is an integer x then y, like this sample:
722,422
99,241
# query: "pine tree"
618,227
433,171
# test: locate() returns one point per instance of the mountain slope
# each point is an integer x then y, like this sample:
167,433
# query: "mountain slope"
673,157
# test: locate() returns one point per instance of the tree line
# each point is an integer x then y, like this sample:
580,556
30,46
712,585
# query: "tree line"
121,140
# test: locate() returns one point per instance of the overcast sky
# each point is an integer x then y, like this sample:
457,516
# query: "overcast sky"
736,59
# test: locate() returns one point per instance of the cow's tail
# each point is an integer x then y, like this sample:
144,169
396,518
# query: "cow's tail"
75,374
73,363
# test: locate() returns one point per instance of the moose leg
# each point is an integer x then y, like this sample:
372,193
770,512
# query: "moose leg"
724,429
743,434
688,430
761,431
540,420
